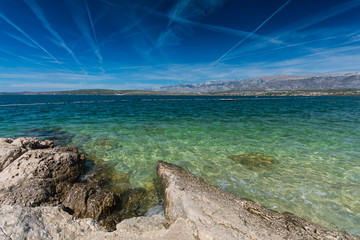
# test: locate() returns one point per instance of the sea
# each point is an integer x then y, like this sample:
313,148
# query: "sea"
313,142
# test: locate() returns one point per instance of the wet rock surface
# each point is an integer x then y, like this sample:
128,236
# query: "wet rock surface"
85,201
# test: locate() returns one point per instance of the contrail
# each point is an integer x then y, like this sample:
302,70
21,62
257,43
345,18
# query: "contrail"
213,28
22,40
321,16
287,46
24,58
111,39
112,4
39,14
177,11
80,16
255,30
93,29
28,37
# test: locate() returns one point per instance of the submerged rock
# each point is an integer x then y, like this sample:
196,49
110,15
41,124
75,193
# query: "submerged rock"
253,160
136,202
153,130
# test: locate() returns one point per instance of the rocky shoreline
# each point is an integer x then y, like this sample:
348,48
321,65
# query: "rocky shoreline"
41,197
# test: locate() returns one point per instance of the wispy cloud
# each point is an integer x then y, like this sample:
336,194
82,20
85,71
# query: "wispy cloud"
296,35
214,28
29,76
178,10
93,30
29,38
31,60
185,9
116,36
318,17
190,9
299,44
110,3
263,48
20,39
59,40
255,30
83,21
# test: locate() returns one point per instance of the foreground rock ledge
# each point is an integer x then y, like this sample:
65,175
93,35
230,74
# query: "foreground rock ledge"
215,214
193,210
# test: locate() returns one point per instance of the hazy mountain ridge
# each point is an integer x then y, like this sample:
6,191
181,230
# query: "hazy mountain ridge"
277,82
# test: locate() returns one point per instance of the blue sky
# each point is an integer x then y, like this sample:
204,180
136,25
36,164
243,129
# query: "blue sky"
140,44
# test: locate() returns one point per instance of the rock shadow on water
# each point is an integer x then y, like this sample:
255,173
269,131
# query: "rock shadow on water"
254,161
107,143
154,130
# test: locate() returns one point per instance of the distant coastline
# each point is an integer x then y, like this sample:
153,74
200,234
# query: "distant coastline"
330,92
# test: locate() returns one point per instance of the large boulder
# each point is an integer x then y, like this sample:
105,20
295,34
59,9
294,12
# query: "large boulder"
34,173
216,214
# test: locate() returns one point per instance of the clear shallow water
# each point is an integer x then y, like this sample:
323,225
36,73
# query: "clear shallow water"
315,142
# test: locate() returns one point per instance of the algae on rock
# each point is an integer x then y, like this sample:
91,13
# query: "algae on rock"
253,161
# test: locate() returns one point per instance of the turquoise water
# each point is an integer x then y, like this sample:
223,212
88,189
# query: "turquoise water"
314,140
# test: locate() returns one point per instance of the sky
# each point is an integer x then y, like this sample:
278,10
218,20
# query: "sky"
48,45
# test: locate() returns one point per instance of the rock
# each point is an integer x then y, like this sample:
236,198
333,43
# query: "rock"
8,152
32,143
33,169
18,222
12,149
35,173
138,201
105,175
85,201
153,130
33,192
253,160
215,214
76,199
131,200
148,228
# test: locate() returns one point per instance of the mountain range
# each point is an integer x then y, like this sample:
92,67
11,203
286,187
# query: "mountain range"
276,82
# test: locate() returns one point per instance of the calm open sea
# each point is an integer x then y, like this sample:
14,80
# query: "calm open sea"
315,142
